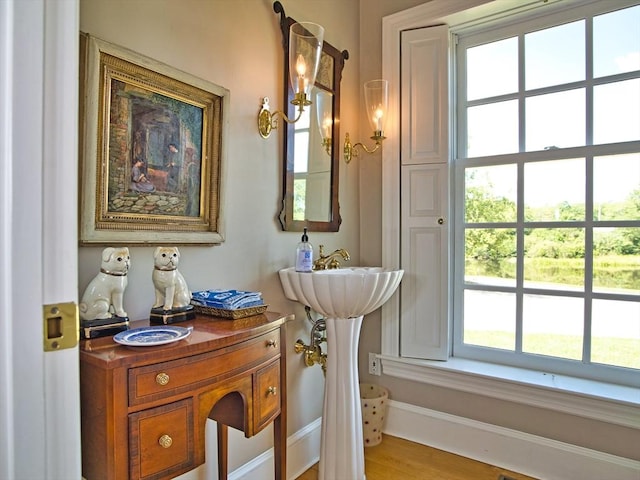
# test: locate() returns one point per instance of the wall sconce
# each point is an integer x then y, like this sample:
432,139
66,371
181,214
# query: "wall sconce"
324,111
376,97
305,47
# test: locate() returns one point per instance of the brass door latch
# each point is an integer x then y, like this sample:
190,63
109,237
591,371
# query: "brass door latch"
61,326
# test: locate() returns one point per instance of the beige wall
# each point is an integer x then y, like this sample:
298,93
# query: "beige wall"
237,44
575,430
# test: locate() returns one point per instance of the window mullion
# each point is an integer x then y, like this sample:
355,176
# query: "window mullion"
519,255
588,261
520,195
461,102
521,96
589,80
588,248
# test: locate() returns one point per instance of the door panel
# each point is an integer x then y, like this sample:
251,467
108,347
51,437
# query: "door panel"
424,101
39,404
424,258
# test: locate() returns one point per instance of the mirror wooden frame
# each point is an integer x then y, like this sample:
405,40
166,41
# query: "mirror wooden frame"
286,214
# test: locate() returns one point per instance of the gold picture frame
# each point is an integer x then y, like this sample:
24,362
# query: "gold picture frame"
153,144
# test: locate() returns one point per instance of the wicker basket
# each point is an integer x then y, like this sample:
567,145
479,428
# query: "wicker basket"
233,314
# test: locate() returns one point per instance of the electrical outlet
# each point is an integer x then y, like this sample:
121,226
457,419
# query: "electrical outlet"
374,364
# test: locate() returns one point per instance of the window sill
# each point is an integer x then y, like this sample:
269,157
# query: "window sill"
601,401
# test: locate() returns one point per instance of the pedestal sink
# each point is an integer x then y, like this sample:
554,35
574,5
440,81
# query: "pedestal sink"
343,297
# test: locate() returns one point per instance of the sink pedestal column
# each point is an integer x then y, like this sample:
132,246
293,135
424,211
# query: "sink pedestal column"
341,445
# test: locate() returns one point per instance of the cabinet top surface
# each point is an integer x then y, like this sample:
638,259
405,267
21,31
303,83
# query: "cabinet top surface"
209,333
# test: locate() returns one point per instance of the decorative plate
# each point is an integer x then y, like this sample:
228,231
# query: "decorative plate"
151,336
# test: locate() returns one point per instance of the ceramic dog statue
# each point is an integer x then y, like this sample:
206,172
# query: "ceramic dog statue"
103,296
170,286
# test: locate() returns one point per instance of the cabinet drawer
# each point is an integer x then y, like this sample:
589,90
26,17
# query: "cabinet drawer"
161,441
169,378
267,395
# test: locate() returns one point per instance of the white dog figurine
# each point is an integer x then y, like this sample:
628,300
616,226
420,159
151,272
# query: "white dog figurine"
170,286
103,296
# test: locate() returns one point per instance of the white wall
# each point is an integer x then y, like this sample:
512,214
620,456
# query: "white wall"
237,44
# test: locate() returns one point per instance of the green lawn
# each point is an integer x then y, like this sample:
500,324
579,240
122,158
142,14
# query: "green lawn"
614,273
623,352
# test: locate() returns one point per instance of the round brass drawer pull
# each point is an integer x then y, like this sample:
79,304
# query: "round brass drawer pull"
440,221
272,391
272,343
162,379
165,441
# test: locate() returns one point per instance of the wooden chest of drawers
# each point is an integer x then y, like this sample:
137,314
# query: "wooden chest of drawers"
144,409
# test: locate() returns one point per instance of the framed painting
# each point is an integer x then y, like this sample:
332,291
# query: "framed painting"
153,147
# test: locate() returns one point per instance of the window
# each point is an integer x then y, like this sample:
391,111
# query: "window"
300,165
547,203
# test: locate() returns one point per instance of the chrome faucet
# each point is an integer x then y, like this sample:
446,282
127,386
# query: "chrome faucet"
330,261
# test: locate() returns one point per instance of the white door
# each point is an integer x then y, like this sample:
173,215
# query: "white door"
39,392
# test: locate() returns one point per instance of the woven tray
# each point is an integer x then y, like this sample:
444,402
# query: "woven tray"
238,313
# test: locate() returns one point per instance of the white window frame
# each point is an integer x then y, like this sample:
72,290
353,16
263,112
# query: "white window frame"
602,401
539,362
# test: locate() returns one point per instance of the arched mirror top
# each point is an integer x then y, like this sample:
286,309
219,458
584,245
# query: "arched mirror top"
311,146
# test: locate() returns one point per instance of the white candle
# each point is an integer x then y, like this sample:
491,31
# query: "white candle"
377,119
327,126
301,69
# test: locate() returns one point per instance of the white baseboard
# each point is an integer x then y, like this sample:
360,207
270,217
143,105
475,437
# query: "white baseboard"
520,452
303,451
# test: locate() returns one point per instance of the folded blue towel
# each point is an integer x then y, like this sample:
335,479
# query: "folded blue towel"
227,299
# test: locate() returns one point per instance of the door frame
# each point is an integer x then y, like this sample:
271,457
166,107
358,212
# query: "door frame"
424,15
39,403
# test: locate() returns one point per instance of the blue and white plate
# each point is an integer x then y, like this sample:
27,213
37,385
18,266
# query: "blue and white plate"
151,336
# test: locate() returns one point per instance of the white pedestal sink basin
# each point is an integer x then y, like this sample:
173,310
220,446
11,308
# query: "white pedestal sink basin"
343,297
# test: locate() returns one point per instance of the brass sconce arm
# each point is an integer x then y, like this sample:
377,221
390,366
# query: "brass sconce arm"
326,144
268,121
351,150
376,96
305,46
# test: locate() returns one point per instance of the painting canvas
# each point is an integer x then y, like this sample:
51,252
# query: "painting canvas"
154,151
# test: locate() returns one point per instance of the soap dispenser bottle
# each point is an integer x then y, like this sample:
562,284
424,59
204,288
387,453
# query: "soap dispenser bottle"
304,254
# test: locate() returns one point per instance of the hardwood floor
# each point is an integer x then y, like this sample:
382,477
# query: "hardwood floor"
398,459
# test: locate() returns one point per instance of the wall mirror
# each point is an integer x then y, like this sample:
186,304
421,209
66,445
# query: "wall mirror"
311,146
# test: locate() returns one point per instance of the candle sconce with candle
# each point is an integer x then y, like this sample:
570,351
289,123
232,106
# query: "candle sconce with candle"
376,97
324,111
305,47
